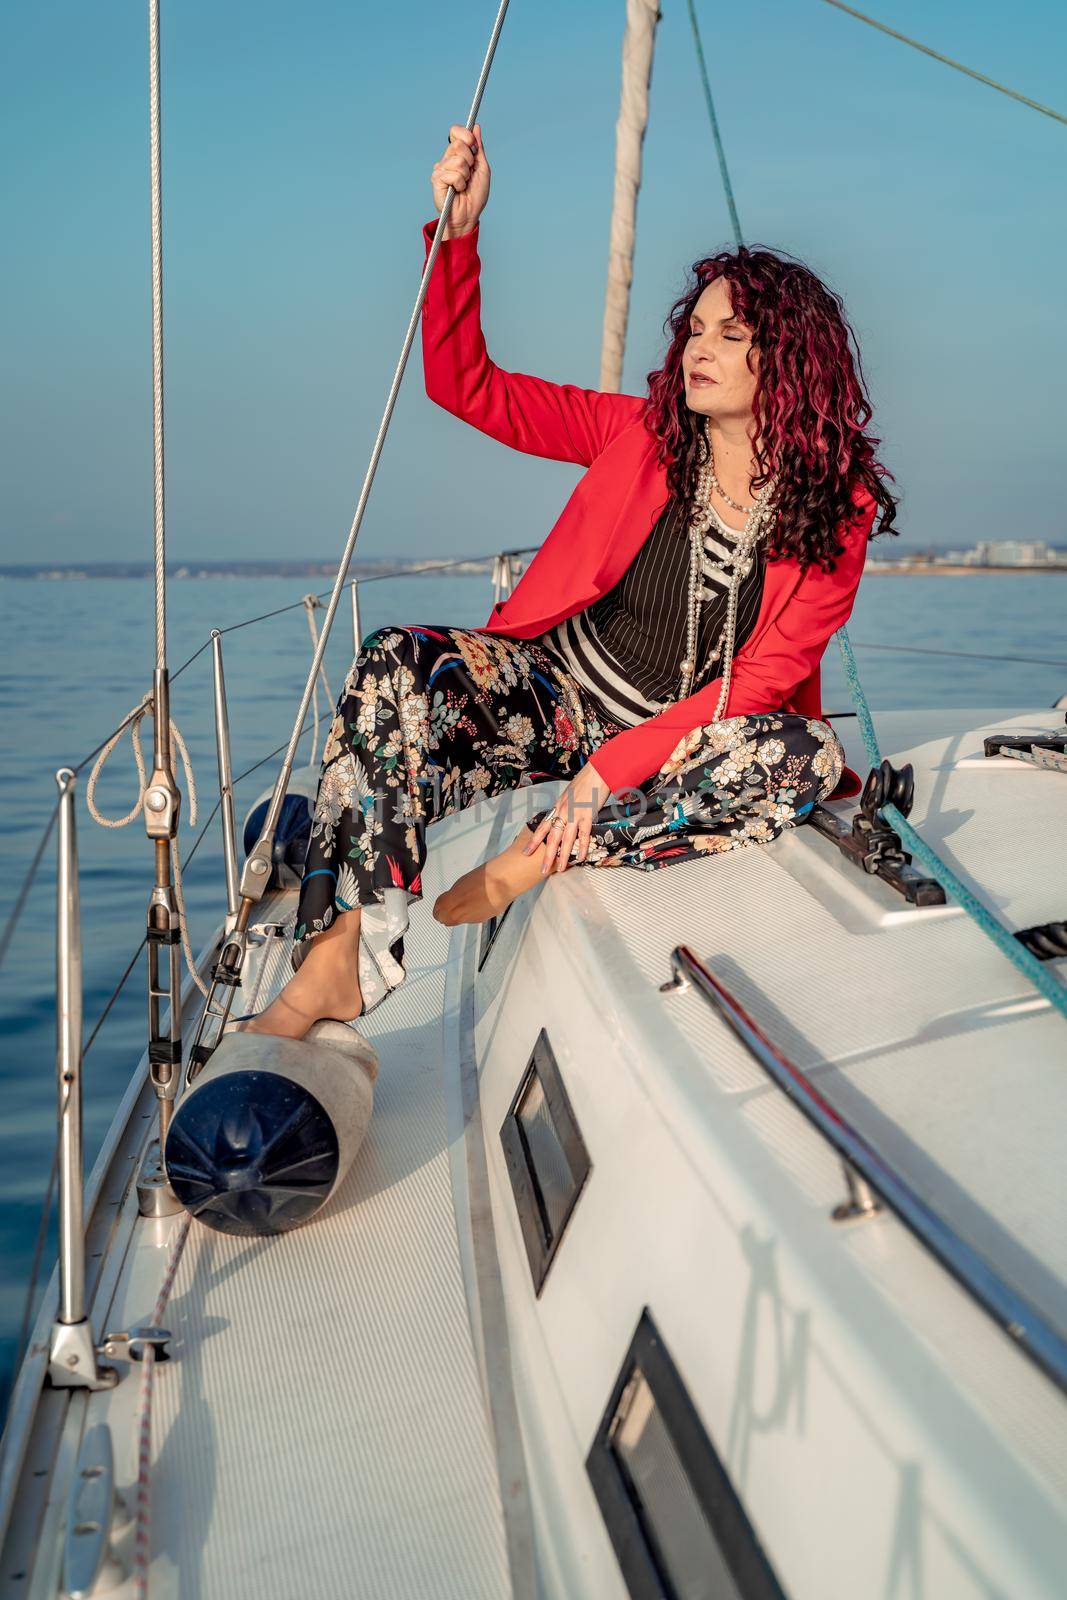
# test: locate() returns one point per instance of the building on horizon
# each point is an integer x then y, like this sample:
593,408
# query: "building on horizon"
1011,553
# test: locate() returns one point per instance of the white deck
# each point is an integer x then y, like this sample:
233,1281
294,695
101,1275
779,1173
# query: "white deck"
326,1427
326,1431
886,1437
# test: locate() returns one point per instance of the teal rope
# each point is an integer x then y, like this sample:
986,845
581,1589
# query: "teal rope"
724,170
1019,956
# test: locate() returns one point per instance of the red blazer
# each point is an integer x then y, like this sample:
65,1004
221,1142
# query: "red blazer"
611,512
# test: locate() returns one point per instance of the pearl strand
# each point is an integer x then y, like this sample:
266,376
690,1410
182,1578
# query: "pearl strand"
758,518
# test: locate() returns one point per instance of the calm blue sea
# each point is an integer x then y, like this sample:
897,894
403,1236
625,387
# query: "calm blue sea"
79,656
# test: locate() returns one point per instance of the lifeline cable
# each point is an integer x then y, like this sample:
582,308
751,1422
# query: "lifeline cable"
1004,939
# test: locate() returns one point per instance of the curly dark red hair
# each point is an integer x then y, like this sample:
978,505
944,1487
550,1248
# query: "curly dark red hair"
810,400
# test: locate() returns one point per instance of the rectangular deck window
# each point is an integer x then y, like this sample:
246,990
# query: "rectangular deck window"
673,1516
546,1157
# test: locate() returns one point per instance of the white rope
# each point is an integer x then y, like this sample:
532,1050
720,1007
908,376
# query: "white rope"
136,716
637,47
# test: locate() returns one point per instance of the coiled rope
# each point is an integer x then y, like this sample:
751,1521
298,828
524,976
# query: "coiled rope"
1003,937
133,721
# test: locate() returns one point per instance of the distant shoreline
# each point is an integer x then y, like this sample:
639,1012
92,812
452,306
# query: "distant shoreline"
478,566
955,569
475,567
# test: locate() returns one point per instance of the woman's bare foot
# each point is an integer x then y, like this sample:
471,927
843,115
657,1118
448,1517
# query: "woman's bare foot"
326,984
487,890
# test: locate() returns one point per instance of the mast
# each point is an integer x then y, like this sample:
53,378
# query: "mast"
637,47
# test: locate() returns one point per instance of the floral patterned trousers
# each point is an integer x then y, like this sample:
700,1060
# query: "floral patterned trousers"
434,719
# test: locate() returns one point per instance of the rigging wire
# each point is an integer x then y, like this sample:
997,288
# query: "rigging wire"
1013,94
282,781
724,171
156,185
960,655
440,566
23,894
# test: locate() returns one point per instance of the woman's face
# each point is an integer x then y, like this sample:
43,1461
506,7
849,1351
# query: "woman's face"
715,370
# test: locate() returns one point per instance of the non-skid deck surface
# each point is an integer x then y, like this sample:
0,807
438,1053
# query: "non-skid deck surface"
325,1433
922,1034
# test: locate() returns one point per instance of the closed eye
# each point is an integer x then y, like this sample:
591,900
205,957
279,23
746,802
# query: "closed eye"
735,338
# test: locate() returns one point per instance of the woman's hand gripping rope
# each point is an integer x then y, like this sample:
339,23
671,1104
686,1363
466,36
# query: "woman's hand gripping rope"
570,821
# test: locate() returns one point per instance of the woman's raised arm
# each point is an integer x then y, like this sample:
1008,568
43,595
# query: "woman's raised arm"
556,420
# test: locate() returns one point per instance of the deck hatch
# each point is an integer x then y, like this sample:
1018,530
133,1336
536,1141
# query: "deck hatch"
672,1514
546,1157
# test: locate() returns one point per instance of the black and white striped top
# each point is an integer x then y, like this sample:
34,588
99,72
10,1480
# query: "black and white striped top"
626,647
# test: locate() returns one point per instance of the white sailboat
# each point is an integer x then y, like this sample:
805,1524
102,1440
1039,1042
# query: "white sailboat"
668,1264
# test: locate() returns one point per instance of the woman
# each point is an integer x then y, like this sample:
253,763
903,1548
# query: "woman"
661,652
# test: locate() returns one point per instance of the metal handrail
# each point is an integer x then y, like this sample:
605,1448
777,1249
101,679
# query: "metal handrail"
72,1357
222,751
69,1059
1013,1314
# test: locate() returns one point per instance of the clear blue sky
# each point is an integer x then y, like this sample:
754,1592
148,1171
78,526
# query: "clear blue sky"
297,147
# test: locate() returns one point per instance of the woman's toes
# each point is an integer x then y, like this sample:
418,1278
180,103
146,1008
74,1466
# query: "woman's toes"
441,908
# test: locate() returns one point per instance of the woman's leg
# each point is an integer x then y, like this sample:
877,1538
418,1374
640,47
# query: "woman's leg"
726,784
429,720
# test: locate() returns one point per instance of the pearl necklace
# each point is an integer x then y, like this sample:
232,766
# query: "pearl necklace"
758,520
